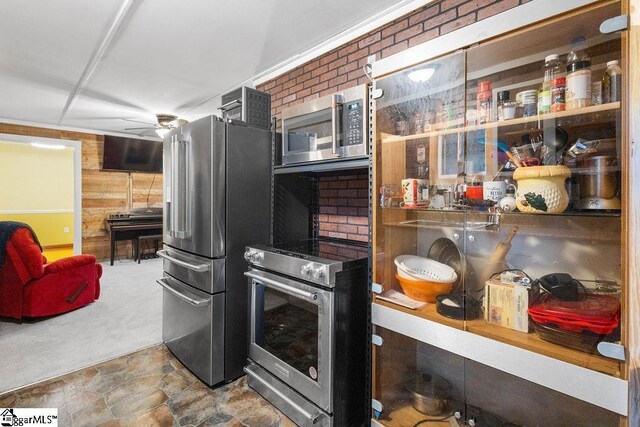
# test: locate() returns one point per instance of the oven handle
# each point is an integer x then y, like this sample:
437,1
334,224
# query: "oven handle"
197,268
336,100
194,302
312,418
311,296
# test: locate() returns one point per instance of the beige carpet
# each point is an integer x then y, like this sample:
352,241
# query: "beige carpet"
127,317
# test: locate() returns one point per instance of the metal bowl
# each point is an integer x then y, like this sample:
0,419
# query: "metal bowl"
430,392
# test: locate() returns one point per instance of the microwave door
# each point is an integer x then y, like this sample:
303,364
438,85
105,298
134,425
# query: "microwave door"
309,137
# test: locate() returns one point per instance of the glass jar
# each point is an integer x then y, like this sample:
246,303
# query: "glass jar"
578,91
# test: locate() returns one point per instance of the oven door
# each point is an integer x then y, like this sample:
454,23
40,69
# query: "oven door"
292,334
326,128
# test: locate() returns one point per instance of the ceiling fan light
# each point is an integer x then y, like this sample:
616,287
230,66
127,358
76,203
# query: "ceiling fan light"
161,132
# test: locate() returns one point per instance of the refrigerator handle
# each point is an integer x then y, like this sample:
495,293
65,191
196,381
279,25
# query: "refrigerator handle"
180,206
194,302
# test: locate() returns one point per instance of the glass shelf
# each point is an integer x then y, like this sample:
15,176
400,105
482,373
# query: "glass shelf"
593,115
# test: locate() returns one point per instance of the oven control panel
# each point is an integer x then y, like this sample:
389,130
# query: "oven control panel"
315,271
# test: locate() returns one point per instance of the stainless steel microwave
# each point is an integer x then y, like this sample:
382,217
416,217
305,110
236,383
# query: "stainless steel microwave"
327,128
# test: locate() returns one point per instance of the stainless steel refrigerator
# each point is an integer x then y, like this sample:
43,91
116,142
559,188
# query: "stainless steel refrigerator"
216,201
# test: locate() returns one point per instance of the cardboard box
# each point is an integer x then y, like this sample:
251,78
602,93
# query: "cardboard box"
506,305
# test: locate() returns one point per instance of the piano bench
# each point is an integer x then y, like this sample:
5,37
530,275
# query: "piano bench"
154,237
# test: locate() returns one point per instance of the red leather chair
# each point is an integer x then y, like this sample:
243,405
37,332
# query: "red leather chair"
31,287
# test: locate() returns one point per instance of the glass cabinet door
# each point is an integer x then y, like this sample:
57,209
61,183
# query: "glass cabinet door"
548,119
419,159
419,384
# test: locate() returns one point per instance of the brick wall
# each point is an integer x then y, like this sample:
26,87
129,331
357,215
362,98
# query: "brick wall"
344,207
343,200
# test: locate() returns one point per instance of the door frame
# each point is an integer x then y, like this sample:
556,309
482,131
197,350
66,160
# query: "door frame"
77,178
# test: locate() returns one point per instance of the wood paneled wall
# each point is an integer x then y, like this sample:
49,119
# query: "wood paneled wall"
103,193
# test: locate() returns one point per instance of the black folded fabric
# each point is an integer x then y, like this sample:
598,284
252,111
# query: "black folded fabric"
7,228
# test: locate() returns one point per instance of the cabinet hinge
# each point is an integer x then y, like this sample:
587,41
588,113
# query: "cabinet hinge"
377,288
376,406
377,93
613,350
617,23
377,340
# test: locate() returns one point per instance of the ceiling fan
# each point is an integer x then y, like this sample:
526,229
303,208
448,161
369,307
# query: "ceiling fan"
166,122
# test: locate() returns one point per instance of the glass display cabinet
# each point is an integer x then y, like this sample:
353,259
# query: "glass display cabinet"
498,230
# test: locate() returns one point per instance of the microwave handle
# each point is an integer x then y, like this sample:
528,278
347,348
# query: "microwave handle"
336,102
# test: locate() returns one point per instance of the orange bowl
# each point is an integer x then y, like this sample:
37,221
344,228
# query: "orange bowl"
423,290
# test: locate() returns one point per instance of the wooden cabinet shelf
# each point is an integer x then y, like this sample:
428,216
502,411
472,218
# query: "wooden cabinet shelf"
595,114
530,341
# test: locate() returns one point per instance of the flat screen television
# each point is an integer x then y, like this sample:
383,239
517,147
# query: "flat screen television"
131,155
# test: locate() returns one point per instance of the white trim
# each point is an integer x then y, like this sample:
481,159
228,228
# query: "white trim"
35,211
96,132
378,20
590,386
496,25
77,178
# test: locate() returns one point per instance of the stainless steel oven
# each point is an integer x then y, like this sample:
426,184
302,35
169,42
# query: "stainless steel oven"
327,128
308,330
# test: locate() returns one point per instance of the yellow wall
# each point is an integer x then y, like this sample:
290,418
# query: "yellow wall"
35,182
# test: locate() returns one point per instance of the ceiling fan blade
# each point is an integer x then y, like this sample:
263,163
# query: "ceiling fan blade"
146,128
178,122
138,121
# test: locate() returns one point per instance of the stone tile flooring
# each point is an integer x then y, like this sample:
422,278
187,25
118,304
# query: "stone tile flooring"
146,388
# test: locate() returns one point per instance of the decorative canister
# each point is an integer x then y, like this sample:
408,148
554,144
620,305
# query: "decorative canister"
541,189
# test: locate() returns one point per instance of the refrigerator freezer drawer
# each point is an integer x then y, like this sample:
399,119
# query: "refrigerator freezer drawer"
206,274
193,328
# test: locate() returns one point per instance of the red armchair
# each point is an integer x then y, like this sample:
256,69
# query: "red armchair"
29,287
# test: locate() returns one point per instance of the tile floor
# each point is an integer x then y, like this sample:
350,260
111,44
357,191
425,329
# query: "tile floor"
146,388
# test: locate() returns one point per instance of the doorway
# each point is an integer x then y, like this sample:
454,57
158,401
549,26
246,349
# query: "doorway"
44,178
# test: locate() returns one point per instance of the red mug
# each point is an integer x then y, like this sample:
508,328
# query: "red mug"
474,192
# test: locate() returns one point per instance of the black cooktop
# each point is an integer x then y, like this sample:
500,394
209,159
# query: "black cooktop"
332,250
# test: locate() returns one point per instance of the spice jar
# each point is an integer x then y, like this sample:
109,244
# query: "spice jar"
484,101
503,97
578,90
558,86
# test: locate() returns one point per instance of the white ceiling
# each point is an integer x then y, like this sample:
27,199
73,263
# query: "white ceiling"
134,58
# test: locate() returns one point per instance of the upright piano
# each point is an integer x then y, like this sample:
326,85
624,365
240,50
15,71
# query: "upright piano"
130,225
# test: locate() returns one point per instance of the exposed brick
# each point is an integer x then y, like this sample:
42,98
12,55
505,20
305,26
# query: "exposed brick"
282,79
458,23
328,58
363,230
268,85
363,53
319,71
363,212
341,219
328,75
317,89
325,226
354,74
424,36
328,210
289,84
339,184
398,47
311,82
346,228
472,6
348,67
499,7
358,237
377,47
358,202
424,14
303,78
370,39
303,94
311,66
358,184
340,62
329,193
295,73
348,193
359,220
363,192
351,211
348,49
448,4
409,32
392,29
312,97
336,235
438,20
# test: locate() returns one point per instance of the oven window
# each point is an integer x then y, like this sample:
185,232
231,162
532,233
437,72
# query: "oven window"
289,330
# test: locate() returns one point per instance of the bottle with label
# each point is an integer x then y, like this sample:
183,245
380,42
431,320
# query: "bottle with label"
578,89
553,70
612,83
484,102
421,159
503,99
